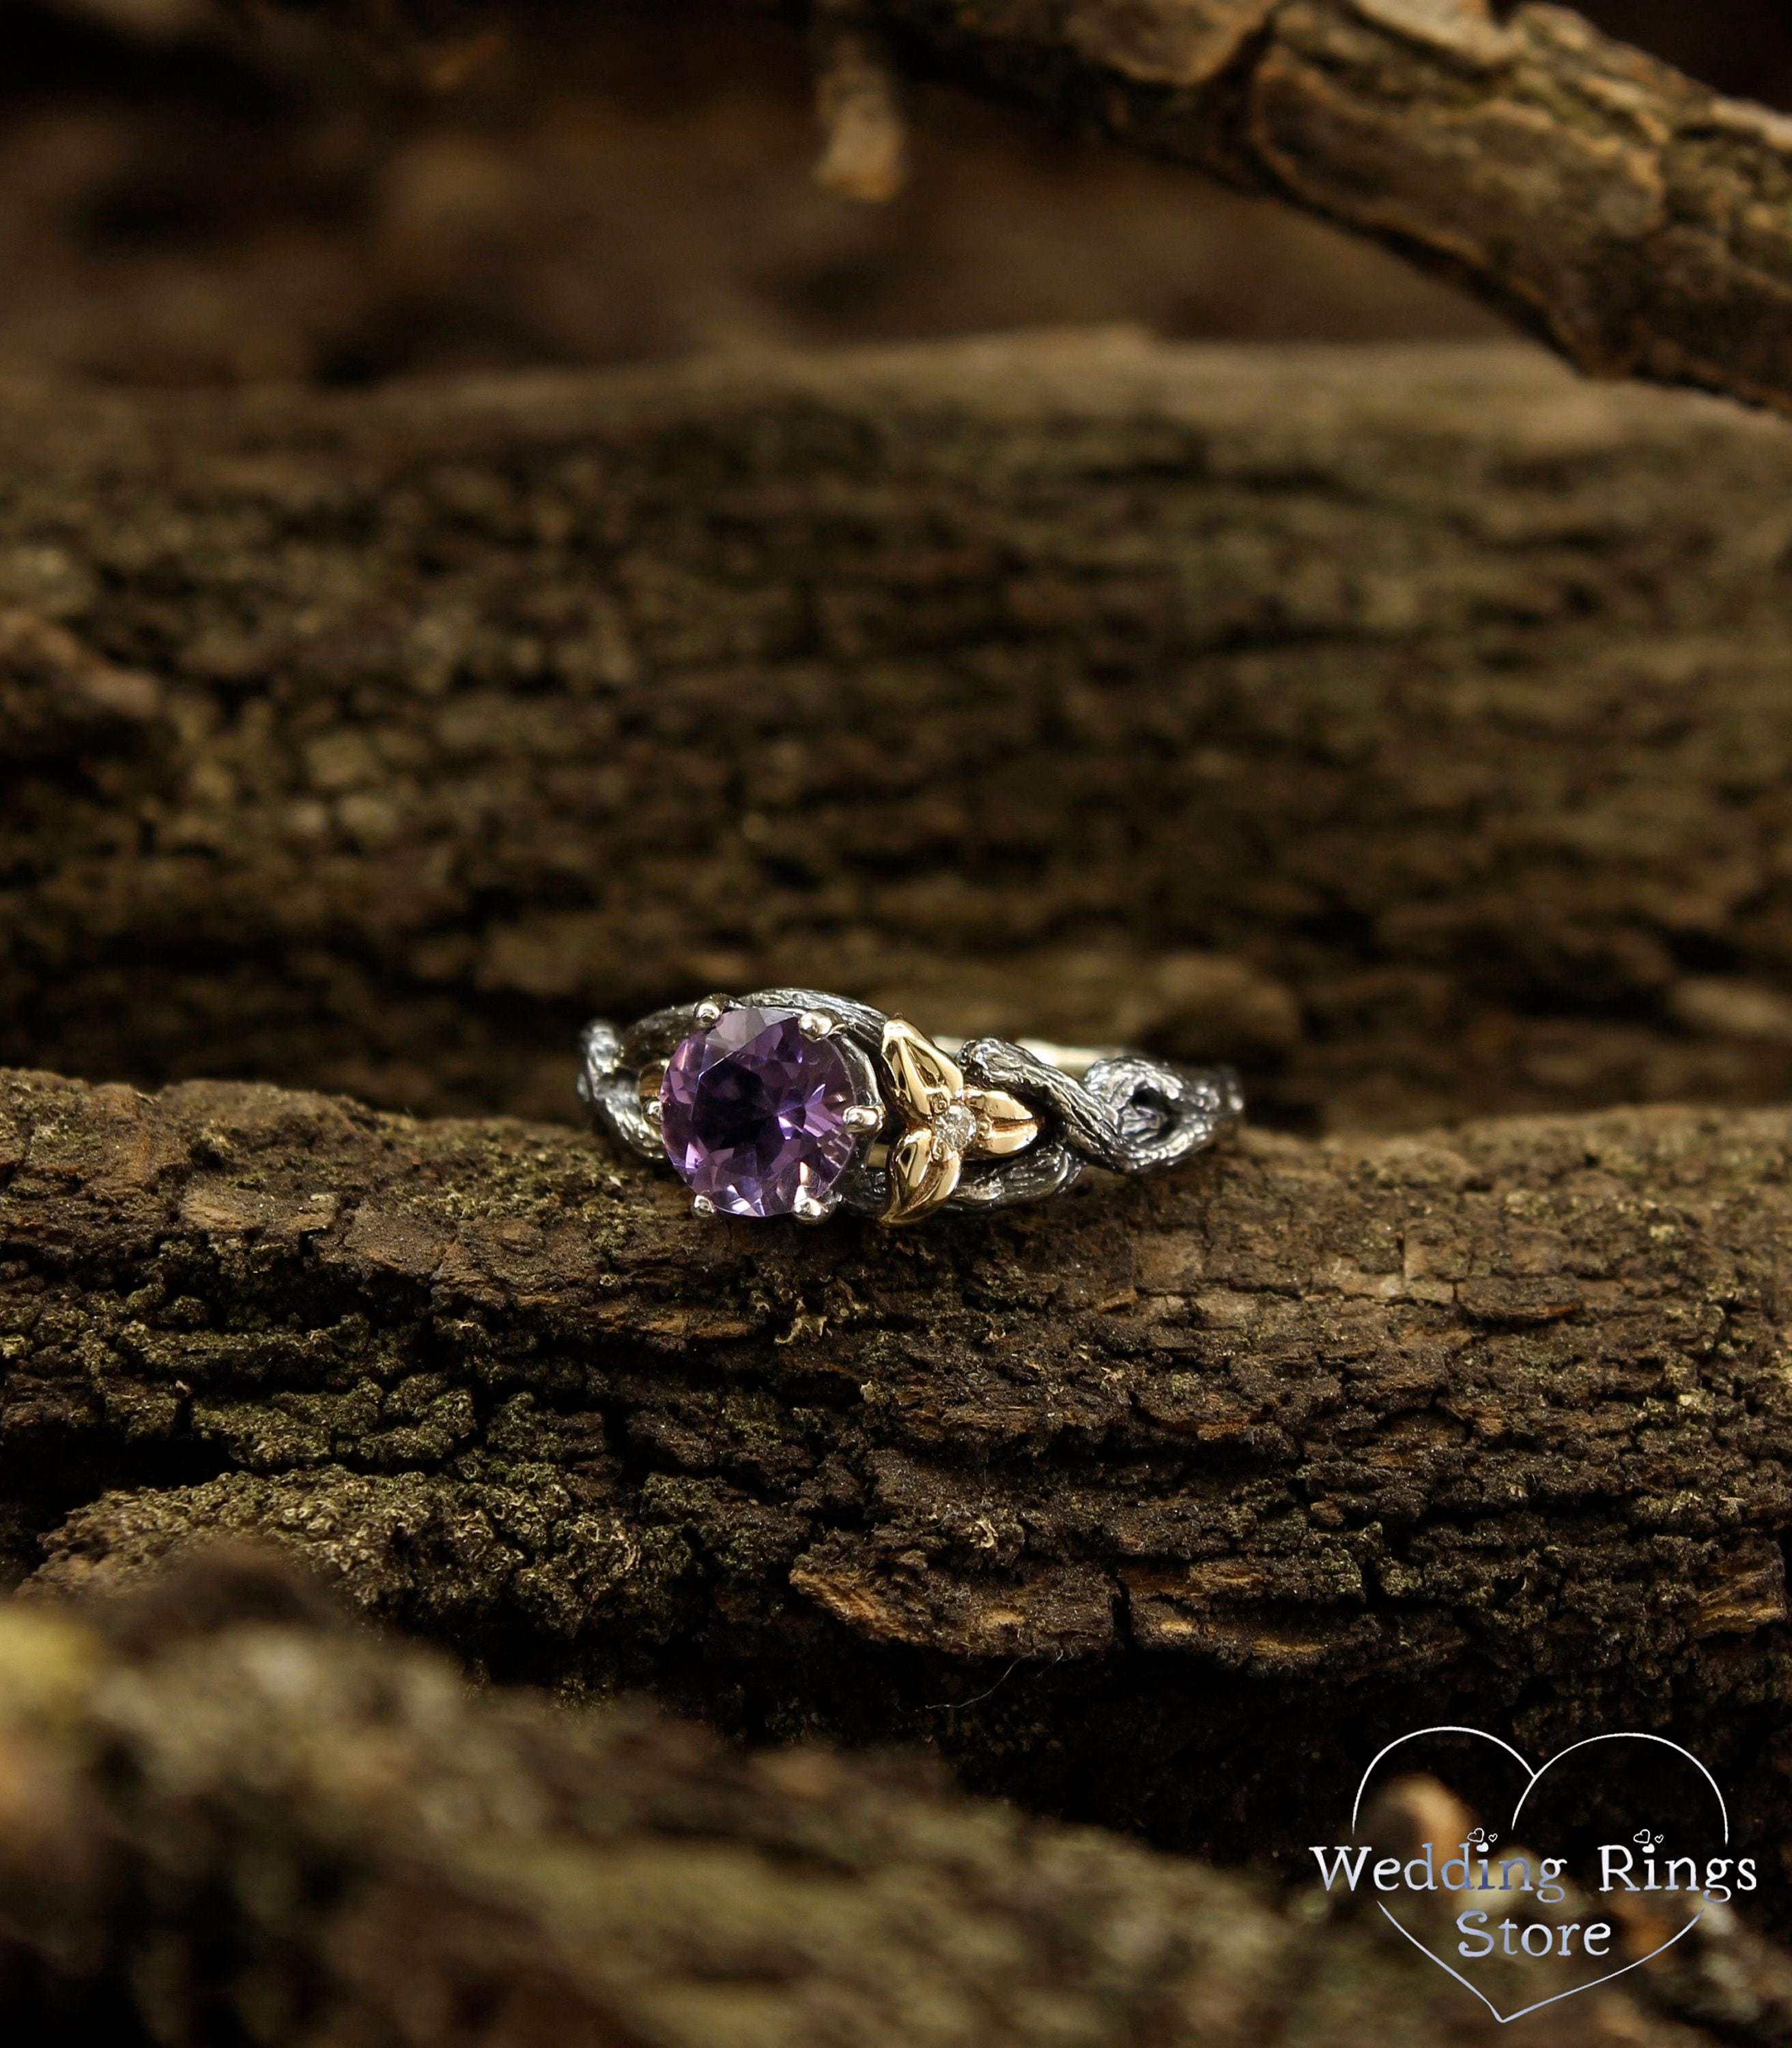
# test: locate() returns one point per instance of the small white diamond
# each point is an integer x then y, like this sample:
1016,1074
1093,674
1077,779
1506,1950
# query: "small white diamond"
953,1128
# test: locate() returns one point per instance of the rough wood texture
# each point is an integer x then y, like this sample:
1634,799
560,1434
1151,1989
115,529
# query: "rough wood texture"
1410,723
226,1822
1191,1492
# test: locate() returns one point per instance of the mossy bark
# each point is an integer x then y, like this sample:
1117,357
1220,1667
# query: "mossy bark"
1164,1504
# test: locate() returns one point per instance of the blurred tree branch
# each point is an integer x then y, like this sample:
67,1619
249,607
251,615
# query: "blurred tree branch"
1632,219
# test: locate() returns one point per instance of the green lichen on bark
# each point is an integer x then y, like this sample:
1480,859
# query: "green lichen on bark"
1216,1480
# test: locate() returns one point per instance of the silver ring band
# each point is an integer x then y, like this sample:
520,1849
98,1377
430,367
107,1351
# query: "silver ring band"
795,1101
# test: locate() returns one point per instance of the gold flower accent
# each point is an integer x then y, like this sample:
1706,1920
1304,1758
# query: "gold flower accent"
944,1122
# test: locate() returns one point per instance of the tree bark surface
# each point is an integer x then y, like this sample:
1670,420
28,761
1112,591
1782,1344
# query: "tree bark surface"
1165,1504
225,1820
1410,725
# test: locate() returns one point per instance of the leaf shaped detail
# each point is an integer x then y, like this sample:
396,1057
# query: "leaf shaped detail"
923,1174
1004,1125
923,1080
944,1122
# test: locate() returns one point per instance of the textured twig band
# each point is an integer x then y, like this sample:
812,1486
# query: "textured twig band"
793,1101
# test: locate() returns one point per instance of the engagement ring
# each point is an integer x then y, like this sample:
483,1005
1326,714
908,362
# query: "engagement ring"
795,1102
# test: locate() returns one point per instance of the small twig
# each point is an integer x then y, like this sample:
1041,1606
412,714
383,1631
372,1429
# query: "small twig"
859,102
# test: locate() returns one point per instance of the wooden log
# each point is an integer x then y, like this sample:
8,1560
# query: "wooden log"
1164,1504
226,1818
1411,724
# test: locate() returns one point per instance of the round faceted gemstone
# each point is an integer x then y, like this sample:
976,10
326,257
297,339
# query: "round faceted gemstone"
754,1113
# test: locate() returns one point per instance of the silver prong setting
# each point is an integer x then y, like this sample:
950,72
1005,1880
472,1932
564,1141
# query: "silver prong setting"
811,1210
654,1110
862,1118
702,1206
816,1024
711,1010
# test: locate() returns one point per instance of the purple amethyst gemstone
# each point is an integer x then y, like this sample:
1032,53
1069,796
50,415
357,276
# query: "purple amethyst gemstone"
754,1113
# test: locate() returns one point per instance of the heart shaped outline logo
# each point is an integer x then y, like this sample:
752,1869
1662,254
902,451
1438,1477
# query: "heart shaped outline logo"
1534,1777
